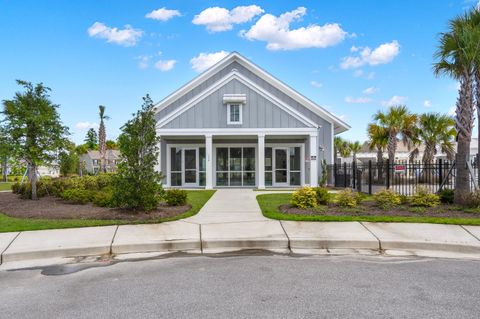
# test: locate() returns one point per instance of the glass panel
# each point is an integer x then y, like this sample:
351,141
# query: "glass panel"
176,179
249,179
294,178
222,179
268,178
248,159
191,177
202,179
235,179
222,159
280,159
268,158
236,159
202,160
176,159
280,176
294,158
191,159
234,113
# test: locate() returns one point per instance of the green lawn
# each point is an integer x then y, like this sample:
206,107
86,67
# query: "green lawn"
269,204
5,186
9,224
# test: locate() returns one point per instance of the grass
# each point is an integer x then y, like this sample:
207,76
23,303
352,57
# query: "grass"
269,204
10,224
6,186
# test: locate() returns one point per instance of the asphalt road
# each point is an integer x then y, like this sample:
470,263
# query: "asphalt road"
247,287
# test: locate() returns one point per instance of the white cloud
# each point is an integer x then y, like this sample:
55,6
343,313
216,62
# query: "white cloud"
371,90
165,65
143,61
217,19
278,35
205,60
126,37
316,84
163,14
383,54
427,103
83,126
394,100
358,100
359,73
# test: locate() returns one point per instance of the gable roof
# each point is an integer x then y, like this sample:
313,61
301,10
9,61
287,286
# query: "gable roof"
338,124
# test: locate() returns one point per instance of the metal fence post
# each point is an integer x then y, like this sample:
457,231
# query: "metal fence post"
345,174
354,174
335,174
388,173
370,177
440,172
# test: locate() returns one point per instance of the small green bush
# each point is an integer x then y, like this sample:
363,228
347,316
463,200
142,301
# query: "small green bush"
386,199
103,198
176,197
25,189
423,198
78,196
16,188
323,196
446,196
304,197
348,198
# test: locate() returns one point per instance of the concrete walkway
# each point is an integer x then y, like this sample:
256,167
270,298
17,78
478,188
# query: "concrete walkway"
232,221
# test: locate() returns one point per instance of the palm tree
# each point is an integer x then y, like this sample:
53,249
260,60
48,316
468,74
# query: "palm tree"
102,138
457,52
344,149
399,123
355,147
378,139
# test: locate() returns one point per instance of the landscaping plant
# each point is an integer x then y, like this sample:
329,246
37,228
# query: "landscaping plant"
176,197
348,198
446,196
137,185
423,198
323,196
305,197
386,199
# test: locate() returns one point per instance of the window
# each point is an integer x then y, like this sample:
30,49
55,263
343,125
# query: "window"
234,115
235,166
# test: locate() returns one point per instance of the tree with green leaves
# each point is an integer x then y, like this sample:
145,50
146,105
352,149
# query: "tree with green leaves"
456,56
355,147
378,140
68,159
102,138
137,184
111,145
81,150
400,124
5,152
36,132
338,144
91,139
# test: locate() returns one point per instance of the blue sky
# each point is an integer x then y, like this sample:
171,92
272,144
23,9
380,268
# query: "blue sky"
352,57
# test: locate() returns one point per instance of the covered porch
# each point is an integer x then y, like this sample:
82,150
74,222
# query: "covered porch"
250,158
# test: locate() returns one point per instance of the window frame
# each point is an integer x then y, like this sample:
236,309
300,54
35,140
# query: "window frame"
240,114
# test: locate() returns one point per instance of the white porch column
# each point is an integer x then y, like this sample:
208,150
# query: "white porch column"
313,160
261,161
209,162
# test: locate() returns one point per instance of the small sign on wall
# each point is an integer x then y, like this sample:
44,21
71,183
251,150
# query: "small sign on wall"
313,158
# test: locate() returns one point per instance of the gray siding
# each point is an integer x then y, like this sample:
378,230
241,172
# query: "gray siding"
258,112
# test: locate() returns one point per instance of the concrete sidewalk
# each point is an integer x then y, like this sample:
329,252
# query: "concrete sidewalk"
232,221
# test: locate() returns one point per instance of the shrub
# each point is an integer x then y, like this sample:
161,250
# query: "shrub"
323,196
386,199
348,198
176,197
472,200
446,196
103,198
304,197
77,195
16,188
25,189
423,198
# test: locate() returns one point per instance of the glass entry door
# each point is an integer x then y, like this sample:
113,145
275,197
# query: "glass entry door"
280,164
190,167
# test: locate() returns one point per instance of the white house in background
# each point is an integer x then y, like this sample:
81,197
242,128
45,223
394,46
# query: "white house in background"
91,161
50,170
235,125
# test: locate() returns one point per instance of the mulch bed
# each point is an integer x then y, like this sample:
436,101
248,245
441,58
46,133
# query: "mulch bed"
54,208
370,209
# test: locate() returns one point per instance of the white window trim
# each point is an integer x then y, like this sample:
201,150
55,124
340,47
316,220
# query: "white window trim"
240,110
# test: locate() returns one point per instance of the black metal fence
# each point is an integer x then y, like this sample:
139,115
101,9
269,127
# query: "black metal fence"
402,177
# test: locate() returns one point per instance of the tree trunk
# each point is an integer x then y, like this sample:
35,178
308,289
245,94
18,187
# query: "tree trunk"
33,181
392,146
380,163
464,125
427,159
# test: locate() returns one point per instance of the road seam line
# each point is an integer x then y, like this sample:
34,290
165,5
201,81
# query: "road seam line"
201,241
8,246
469,232
371,232
113,239
288,238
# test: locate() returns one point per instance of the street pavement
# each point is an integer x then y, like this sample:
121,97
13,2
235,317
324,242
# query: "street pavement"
258,286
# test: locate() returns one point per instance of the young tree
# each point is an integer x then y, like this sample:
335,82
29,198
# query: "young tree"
36,131
137,183
80,150
68,159
5,152
111,145
456,55
378,139
91,139
102,137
